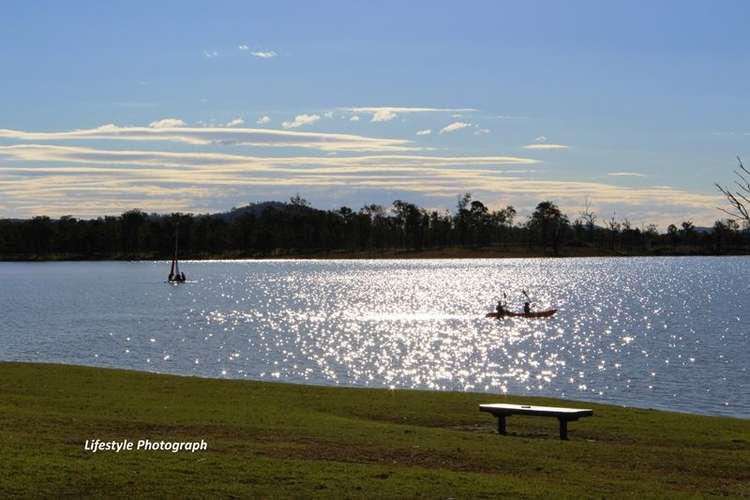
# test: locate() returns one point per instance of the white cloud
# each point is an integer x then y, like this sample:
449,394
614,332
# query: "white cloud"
354,118
56,180
453,127
626,174
328,114
301,120
235,123
383,115
405,109
545,146
426,131
541,138
388,113
482,131
210,54
167,123
267,54
213,135
47,153
263,54
263,120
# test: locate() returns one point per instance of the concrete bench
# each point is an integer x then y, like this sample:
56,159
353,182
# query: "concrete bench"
563,415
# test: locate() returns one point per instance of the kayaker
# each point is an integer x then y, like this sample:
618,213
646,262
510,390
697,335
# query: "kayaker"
500,308
527,304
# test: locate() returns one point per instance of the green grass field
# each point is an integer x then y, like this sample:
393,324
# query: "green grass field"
278,440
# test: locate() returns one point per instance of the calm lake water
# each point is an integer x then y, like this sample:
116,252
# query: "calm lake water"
668,333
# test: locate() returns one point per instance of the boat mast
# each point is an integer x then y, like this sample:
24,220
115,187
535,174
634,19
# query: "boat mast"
176,262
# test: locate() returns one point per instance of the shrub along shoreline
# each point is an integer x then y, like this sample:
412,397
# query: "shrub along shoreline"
497,252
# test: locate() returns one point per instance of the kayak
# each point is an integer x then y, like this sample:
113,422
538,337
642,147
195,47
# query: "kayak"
535,314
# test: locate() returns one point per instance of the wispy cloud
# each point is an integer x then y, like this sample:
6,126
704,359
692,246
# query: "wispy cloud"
301,120
210,54
426,131
166,131
388,113
264,54
58,178
43,178
405,109
235,122
454,126
541,143
263,120
94,156
383,115
354,118
482,131
544,146
167,123
626,174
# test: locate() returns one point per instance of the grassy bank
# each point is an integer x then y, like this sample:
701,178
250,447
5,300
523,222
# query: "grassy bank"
277,440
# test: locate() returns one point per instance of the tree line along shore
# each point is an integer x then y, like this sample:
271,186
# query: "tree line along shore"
296,229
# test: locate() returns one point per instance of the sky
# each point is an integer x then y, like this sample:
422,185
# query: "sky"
635,108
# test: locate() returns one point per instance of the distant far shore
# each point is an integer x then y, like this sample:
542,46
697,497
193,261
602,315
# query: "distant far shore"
508,252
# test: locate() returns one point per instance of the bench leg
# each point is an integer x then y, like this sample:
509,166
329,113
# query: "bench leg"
563,428
501,424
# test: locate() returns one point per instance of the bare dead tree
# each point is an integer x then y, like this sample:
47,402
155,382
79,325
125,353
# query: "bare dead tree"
588,218
614,229
738,195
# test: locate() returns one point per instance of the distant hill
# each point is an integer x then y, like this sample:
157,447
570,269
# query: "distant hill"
256,209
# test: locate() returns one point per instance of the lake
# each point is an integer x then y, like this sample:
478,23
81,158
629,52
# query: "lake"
669,333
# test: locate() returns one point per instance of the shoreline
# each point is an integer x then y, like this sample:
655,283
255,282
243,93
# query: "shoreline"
561,399
457,253
274,439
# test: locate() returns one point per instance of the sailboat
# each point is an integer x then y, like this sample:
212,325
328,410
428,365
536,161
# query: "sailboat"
175,276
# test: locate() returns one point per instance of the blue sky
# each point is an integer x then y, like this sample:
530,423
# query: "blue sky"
637,108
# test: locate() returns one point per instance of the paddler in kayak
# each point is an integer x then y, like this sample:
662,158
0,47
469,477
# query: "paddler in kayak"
527,304
500,308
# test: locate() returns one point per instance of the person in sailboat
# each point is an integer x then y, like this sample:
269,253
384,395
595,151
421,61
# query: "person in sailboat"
175,276
172,276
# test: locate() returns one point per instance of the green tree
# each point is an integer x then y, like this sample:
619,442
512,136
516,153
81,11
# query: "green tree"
550,224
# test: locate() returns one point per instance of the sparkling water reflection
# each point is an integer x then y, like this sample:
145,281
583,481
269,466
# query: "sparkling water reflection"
653,332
